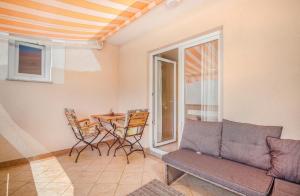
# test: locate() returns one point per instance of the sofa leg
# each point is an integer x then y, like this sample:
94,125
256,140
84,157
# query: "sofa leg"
171,174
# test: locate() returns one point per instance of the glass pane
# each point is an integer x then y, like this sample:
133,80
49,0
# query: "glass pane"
166,100
30,60
201,81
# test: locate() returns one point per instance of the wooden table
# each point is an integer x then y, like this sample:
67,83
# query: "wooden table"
107,119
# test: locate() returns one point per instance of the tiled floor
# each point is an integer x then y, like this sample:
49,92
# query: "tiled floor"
93,175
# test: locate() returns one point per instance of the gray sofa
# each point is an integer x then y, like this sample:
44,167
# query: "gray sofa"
232,155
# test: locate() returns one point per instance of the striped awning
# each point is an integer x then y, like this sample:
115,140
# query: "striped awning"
70,19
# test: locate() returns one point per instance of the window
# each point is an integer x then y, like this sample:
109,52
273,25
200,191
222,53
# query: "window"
29,62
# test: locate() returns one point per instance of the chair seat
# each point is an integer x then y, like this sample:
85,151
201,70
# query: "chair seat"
121,132
87,134
88,131
90,134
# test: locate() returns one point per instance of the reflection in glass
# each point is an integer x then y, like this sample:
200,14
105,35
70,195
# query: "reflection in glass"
201,81
30,60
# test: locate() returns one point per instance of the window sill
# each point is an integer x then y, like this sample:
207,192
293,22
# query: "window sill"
24,80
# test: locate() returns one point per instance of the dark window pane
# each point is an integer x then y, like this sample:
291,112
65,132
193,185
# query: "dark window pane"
30,60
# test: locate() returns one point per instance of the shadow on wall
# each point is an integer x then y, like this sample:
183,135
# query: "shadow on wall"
73,60
17,143
82,60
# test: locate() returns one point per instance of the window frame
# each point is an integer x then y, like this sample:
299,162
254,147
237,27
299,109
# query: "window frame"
13,69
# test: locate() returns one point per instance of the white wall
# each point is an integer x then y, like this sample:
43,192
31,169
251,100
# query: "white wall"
261,57
32,114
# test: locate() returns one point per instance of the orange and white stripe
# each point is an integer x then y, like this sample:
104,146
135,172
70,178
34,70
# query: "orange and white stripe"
70,19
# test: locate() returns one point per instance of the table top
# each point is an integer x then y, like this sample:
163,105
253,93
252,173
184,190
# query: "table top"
109,117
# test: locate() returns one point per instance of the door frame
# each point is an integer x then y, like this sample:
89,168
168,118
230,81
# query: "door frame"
180,107
156,59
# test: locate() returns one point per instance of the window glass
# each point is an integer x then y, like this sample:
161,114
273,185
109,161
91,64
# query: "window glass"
30,60
201,81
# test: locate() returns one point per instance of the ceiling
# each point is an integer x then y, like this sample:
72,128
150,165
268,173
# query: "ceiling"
70,19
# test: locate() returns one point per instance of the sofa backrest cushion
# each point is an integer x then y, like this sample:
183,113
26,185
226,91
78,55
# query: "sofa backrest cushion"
285,159
247,143
202,137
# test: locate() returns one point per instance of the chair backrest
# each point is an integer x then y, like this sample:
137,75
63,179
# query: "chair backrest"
133,111
137,119
73,122
137,110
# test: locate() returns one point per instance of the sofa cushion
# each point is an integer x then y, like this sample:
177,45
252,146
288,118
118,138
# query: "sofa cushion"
235,176
204,137
285,159
246,143
282,187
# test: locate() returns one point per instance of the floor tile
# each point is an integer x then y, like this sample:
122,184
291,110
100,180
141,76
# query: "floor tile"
11,187
115,166
25,176
134,167
87,177
95,167
131,178
58,188
30,189
49,192
103,189
3,175
51,174
62,178
78,189
109,177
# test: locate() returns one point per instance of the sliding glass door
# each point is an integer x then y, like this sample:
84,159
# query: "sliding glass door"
199,87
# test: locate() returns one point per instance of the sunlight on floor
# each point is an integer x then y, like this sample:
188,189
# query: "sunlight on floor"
50,171
93,175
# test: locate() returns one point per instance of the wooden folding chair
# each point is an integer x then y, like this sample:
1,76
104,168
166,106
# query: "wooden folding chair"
84,131
130,133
